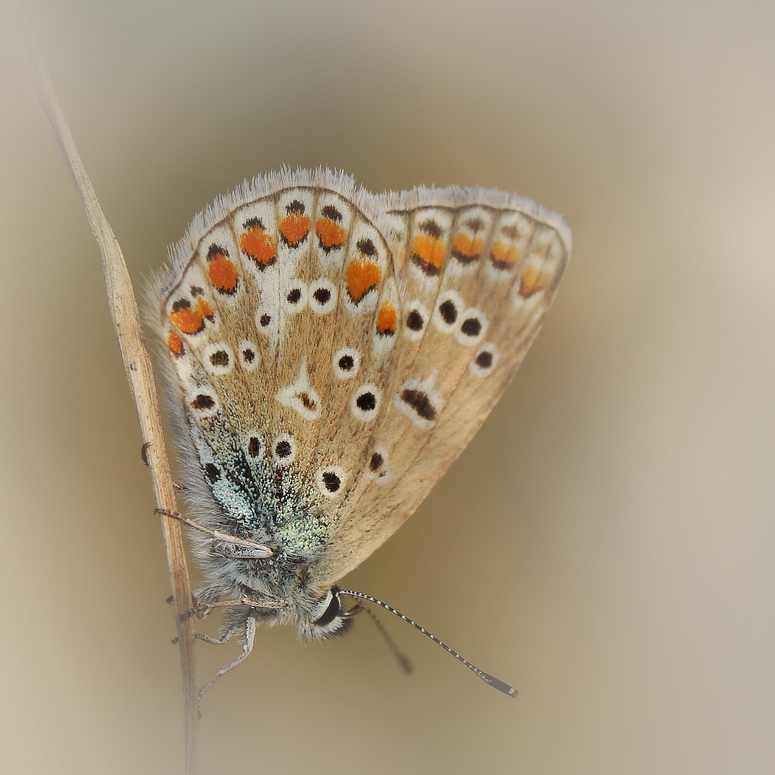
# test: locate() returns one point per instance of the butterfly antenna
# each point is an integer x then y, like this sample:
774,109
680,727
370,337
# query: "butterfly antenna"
501,686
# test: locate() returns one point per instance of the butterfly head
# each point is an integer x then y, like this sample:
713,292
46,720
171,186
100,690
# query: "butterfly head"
325,617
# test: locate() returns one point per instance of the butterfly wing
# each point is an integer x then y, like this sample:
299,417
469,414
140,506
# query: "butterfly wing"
333,352
280,314
477,272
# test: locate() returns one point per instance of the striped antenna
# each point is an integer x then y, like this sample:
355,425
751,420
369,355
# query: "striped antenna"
501,686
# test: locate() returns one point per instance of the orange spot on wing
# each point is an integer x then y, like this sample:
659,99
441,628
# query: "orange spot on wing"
387,319
362,276
294,228
532,281
223,273
175,343
466,248
331,233
430,251
504,256
258,245
204,309
191,321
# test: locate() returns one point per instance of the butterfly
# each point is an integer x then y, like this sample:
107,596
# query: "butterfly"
329,354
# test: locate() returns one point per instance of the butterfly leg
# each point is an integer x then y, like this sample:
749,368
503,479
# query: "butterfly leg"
206,599
247,647
201,610
225,636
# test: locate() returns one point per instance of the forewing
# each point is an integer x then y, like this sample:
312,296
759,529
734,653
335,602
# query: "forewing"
280,316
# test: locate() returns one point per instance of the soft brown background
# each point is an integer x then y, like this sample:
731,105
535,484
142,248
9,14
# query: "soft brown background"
606,543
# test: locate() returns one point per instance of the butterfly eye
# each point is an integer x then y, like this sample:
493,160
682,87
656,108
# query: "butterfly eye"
332,610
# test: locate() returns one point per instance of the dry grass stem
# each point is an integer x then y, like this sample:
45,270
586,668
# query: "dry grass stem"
137,363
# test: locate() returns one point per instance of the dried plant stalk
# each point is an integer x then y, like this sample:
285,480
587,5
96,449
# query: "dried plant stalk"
137,363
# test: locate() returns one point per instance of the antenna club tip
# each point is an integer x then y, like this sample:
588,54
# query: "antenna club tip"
496,683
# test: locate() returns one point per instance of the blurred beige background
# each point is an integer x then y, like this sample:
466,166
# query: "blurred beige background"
606,543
